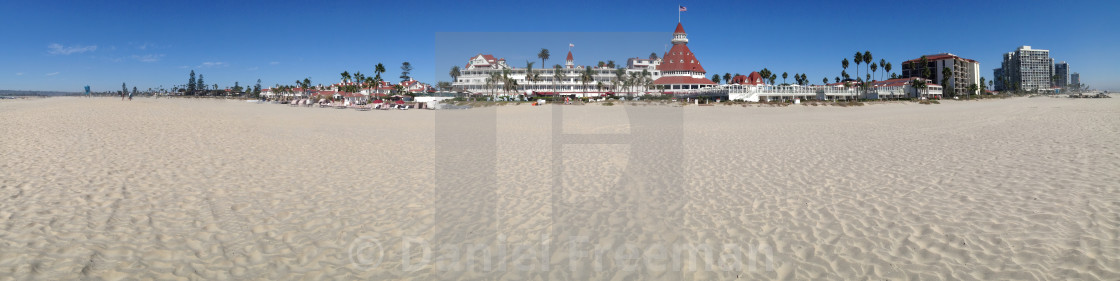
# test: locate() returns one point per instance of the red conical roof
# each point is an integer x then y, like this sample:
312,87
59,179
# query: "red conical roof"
680,28
569,55
680,58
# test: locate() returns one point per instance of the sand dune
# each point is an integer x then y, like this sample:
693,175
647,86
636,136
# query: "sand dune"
184,189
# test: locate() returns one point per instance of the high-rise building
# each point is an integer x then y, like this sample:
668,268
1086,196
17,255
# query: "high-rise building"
1027,69
1075,79
1061,70
998,83
965,72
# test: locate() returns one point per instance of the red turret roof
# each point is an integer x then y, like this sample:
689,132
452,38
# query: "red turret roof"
680,58
680,28
569,55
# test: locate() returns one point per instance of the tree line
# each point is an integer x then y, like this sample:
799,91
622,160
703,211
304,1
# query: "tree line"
198,87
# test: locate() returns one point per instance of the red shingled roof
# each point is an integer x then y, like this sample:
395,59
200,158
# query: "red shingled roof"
671,80
753,79
680,58
569,55
489,60
680,28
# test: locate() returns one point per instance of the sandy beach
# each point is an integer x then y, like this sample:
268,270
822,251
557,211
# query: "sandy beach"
195,189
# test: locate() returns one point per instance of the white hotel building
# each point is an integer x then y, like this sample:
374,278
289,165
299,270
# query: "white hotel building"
677,71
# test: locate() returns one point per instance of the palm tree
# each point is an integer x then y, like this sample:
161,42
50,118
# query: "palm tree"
858,60
983,86
345,76
454,73
557,75
972,88
530,76
619,75
610,63
867,60
653,55
378,70
845,71
883,65
887,68
837,79
947,74
585,78
925,67
492,81
874,67
504,78
508,83
918,83
647,80
377,81
633,81
543,55
784,75
715,78
306,85
804,79
399,88
825,80
772,78
372,88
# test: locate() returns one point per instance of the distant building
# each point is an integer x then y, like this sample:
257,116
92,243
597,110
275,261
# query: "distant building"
753,79
639,64
1027,69
1061,70
965,72
996,74
478,76
416,87
1075,79
680,70
677,71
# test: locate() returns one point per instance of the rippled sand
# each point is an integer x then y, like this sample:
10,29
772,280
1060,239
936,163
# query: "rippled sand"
178,189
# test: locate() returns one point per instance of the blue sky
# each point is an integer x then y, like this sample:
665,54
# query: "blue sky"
64,45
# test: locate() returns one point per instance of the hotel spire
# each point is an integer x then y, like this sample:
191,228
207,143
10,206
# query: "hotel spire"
679,36
570,63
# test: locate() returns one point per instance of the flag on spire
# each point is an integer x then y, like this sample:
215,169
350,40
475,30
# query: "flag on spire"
682,9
